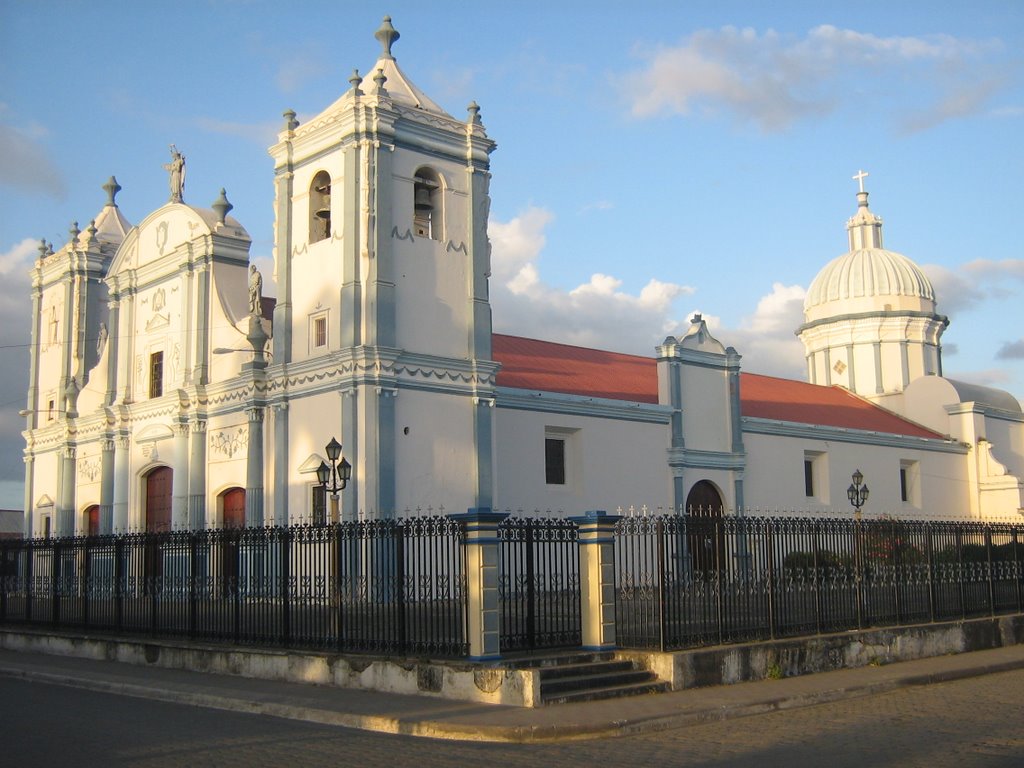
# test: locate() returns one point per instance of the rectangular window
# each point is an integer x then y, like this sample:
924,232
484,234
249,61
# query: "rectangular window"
49,410
319,505
156,374
816,476
320,332
46,527
903,484
554,460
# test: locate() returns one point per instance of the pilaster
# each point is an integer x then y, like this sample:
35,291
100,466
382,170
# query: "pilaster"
254,469
597,579
483,620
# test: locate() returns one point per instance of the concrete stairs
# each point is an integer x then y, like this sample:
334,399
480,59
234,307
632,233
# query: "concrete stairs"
592,676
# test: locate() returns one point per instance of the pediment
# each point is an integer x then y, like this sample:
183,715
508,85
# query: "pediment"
310,465
44,501
153,432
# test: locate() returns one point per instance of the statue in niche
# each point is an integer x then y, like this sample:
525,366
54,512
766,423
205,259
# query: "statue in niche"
101,339
176,169
255,291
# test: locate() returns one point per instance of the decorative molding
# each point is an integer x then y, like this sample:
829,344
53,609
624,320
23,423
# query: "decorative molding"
753,425
89,468
407,236
577,405
228,443
460,247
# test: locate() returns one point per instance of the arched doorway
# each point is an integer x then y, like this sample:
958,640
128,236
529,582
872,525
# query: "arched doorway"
232,503
92,520
706,542
158,500
158,520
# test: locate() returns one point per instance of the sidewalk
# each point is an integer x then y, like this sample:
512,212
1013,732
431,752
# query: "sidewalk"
441,718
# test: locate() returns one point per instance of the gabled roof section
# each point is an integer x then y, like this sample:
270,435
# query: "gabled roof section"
550,367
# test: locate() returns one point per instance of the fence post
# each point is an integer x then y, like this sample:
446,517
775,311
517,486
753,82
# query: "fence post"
55,591
816,545
659,531
119,580
286,601
991,586
1016,570
531,586
30,587
597,579
86,578
480,551
858,563
193,572
5,581
769,546
398,531
930,550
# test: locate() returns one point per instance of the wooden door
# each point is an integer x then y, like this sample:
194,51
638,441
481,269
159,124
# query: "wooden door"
706,543
92,520
158,520
233,504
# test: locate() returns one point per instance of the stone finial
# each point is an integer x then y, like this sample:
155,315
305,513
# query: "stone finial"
379,78
111,188
387,35
91,229
49,249
73,233
697,318
474,113
221,206
43,249
355,81
290,123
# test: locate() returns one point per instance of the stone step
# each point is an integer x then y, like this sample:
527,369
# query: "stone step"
586,682
528,661
583,669
607,692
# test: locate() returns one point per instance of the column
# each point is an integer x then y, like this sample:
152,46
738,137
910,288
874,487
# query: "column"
597,579
281,463
122,484
483,621
114,348
179,480
107,487
66,505
197,475
29,505
254,469
879,386
483,423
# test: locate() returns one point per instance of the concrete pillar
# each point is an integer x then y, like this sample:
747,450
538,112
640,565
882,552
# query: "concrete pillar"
281,463
28,501
179,480
122,484
483,620
107,488
197,475
66,505
597,579
254,469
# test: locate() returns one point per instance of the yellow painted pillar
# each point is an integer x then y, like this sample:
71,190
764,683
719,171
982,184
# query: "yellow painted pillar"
597,579
480,545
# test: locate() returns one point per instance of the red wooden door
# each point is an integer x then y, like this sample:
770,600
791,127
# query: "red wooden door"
92,520
158,500
233,503
234,508
706,543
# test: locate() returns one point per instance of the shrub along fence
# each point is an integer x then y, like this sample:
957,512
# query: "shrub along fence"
482,583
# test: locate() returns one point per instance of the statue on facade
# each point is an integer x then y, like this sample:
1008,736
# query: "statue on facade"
255,291
176,169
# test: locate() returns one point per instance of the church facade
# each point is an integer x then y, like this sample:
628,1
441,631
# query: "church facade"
166,392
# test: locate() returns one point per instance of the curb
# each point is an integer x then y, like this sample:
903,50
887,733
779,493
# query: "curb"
547,733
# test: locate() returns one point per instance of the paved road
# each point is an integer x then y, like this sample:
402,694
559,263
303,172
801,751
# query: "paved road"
973,722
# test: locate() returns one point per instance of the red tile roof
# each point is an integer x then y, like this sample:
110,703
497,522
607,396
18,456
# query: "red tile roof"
550,367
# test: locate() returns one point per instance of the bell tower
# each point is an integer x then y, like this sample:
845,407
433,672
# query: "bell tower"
381,263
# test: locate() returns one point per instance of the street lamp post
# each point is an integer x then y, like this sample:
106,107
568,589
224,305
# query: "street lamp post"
334,476
857,493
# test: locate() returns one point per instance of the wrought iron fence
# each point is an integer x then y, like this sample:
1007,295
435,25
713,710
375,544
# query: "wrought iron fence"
384,586
539,583
690,581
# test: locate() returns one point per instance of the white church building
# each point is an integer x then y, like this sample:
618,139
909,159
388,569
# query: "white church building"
165,392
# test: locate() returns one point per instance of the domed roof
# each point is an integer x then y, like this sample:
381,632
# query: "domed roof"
867,271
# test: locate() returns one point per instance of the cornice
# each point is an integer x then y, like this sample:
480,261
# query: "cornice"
577,405
753,425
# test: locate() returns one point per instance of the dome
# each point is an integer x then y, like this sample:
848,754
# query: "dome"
868,273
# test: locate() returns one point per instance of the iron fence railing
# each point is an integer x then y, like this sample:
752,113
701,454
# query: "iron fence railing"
689,581
383,586
539,583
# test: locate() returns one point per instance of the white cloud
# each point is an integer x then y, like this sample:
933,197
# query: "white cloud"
597,313
970,284
766,340
775,80
18,259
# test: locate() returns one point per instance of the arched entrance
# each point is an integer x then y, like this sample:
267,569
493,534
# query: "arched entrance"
92,520
706,543
158,520
232,503
158,500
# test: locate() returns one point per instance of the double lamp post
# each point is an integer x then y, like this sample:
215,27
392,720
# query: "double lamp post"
334,476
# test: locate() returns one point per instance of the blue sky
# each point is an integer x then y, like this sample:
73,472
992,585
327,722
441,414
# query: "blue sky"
654,158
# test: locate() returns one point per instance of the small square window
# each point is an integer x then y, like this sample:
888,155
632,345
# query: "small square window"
554,460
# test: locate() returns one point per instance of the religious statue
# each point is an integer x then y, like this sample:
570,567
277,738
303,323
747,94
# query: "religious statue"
255,291
176,168
101,339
